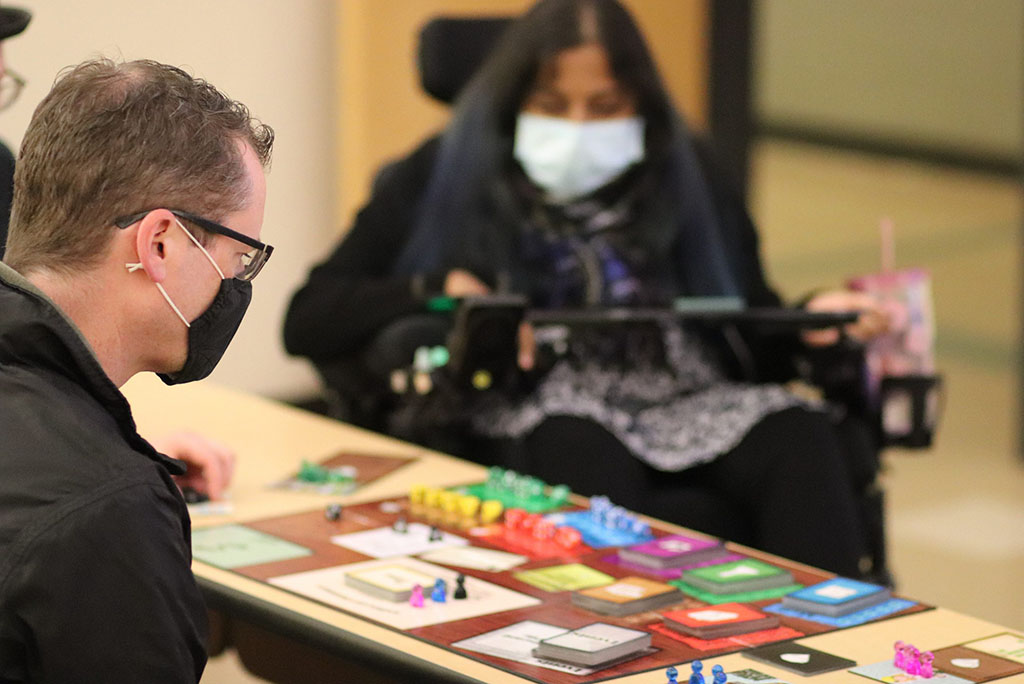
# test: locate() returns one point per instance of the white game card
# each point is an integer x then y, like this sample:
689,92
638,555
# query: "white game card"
517,641
384,542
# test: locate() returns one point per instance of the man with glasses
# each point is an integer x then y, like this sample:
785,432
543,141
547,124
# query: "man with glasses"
12,22
134,239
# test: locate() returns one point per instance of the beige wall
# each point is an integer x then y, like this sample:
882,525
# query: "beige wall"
337,81
383,112
278,58
947,74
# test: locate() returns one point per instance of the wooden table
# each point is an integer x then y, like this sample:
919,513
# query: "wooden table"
286,638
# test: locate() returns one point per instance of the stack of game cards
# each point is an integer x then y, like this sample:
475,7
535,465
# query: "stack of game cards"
595,645
836,597
673,551
737,577
388,582
716,622
627,596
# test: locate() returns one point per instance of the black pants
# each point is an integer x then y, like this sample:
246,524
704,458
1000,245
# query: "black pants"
790,487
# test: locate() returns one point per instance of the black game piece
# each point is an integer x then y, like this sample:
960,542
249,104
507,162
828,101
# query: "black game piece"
435,534
460,587
333,512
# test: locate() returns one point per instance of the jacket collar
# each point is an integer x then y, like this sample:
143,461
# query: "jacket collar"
34,331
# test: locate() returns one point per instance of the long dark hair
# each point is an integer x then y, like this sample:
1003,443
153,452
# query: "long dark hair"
476,150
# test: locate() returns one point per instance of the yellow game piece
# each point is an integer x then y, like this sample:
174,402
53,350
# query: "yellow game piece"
482,380
449,500
432,497
469,505
490,511
416,493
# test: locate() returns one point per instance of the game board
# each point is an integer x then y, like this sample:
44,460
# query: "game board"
513,588
343,473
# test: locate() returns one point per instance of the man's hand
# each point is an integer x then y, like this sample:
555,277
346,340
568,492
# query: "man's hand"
210,464
873,320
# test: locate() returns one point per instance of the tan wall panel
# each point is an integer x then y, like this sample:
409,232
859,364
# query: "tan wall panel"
383,113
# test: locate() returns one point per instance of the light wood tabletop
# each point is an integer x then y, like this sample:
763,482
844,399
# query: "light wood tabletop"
271,441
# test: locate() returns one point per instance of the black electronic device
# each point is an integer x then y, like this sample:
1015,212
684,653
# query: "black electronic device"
483,344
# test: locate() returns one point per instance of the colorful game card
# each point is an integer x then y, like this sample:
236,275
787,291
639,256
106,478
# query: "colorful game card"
836,597
667,573
235,546
974,665
673,551
569,577
517,641
744,575
386,542
1006,645
328,586
475,557
886,671
795,657
712,622
875,612
730,643
627,596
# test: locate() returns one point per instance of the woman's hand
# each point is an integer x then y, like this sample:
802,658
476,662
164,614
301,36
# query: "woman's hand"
873,320
462,283
210,464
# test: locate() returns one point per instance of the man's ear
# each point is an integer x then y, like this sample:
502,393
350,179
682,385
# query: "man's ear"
152,245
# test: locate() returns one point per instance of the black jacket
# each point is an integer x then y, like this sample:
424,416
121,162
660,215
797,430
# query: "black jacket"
95,551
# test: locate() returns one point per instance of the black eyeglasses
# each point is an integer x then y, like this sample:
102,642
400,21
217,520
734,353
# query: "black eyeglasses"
252,261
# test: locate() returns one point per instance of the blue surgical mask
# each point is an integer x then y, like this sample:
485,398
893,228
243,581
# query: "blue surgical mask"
569,159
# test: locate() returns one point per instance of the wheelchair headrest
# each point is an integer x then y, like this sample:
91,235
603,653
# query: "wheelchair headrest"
450,50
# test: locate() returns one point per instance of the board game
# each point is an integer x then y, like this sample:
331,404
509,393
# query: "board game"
510,587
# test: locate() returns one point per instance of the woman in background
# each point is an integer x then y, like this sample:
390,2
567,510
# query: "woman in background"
566,175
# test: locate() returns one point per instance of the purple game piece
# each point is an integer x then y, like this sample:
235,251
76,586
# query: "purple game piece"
416,598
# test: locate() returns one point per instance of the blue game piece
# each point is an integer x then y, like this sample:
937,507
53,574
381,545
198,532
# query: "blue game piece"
718,675
440,592
640,527
672,673
696,677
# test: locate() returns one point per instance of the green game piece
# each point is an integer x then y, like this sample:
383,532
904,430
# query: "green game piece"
311,472
559,494
439,356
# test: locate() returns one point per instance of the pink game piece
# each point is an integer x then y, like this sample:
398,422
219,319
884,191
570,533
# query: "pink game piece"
926,670
416,598
899,656
913,661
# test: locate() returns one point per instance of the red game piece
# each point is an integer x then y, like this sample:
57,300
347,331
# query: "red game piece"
514,518
568,537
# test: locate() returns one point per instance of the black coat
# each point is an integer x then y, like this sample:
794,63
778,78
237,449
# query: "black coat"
95,550
352,295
